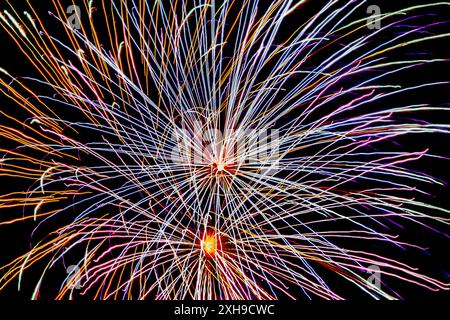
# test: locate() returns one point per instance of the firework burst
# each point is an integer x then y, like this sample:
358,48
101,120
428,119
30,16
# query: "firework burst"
194,150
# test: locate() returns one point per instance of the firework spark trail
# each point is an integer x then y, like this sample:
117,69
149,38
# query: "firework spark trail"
178,190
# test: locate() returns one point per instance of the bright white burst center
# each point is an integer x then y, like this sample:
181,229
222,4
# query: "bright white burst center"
220,166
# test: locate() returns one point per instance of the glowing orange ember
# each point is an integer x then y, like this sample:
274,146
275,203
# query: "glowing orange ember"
209,244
